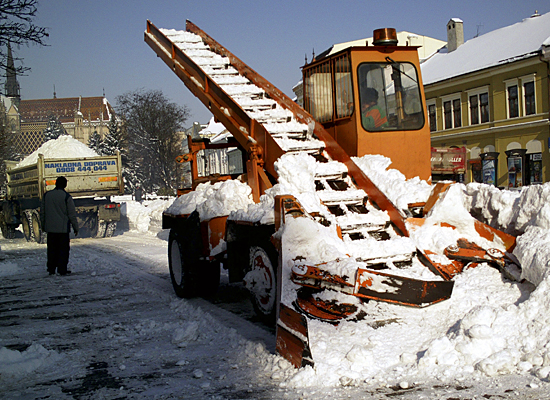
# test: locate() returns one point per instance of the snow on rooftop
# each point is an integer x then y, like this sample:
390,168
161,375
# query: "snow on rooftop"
501,46
212,129
62,147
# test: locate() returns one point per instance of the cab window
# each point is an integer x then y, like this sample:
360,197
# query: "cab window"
389,96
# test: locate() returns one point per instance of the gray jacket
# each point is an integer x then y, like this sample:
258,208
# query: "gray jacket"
57,212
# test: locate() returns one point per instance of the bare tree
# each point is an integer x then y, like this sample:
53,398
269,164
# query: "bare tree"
151,123
17,28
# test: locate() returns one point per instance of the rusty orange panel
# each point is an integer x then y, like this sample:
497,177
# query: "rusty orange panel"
216,229
292,337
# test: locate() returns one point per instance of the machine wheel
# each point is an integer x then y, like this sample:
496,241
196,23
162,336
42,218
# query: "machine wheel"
4,227
110,229
101,228
37,231
183,275
8,231
261,280
26,223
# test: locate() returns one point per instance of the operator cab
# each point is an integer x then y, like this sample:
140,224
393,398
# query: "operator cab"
371,100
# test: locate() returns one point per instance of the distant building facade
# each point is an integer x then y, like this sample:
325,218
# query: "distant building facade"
490,94
27,119
80,116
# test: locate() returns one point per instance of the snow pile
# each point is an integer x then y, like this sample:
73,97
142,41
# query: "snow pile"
144,216
62,147
214,200
9,268
392,182
16,364
489,326
510,210
525,213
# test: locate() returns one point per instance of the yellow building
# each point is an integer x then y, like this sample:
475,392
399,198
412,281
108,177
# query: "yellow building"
491,95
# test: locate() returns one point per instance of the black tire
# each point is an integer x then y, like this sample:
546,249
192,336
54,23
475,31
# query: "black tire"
26,224
190,273
110,229
101,228
8,231
184,277
261,280
4,227
36,226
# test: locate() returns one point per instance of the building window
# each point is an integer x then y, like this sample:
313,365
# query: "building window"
513,106
474,110
447,111
432,115
529,96
484,107
452,112
478,100
456,113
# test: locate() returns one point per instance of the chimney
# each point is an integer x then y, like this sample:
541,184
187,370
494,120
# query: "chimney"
455,34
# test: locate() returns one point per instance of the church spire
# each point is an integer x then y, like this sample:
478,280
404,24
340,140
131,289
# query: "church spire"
11,87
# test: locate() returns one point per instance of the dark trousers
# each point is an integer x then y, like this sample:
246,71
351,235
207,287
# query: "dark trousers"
58,252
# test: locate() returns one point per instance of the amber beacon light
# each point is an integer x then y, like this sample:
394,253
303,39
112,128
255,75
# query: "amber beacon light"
385,37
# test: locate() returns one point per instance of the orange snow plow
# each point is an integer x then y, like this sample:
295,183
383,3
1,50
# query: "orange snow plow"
350,244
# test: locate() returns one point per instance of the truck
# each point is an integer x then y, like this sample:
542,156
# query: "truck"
91,183
360,100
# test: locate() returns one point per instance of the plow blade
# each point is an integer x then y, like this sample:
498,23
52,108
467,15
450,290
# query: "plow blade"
399,289
292,337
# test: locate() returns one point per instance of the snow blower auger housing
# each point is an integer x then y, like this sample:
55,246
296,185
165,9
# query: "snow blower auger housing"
351,244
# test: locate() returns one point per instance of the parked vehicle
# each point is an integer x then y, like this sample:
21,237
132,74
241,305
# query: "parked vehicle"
91,182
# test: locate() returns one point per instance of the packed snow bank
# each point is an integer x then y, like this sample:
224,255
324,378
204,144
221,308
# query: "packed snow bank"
62,147
143,216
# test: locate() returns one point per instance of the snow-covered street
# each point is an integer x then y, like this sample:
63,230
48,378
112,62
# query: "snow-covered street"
114,329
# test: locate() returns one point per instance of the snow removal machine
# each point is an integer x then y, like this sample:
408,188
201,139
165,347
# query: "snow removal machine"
329,240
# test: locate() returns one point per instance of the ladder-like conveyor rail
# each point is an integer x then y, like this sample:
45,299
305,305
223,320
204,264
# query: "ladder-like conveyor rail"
262,148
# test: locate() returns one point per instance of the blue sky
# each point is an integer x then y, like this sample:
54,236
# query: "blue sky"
98,45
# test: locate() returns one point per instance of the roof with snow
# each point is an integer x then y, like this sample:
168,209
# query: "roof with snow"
94,108
511,43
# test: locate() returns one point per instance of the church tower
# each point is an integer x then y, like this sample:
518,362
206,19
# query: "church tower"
11,88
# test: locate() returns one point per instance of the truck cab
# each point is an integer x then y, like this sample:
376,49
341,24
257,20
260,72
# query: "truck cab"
370,100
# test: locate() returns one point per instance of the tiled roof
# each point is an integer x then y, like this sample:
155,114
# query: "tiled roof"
65,108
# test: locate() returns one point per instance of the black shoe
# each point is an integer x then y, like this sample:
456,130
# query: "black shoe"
65,273
51,273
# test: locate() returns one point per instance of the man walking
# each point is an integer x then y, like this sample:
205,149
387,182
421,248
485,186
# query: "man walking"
57,214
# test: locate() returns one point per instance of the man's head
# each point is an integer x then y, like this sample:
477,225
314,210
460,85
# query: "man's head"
61,182
369,95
